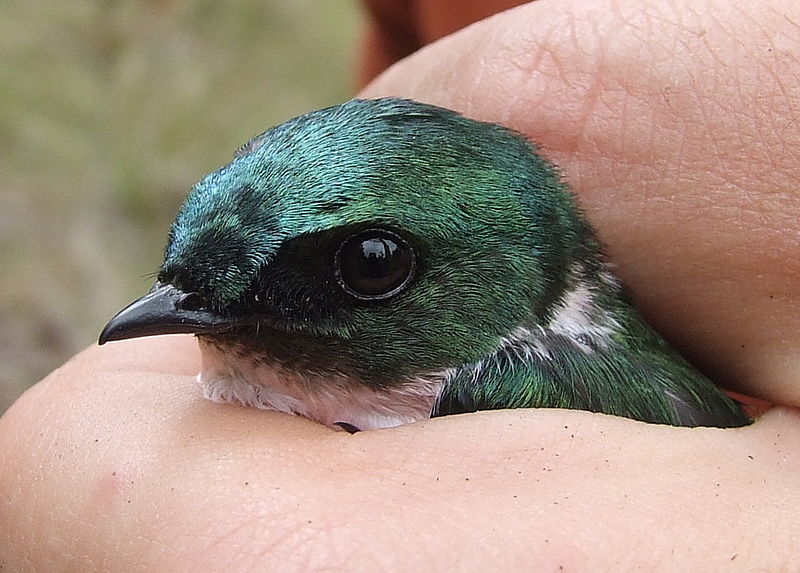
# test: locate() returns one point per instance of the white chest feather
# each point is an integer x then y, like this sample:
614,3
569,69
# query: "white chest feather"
324,399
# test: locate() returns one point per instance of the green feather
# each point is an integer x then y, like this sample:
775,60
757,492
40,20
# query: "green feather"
659,385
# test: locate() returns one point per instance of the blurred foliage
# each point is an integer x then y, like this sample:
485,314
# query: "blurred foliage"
109,111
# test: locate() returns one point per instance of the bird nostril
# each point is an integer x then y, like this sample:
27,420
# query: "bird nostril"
191,301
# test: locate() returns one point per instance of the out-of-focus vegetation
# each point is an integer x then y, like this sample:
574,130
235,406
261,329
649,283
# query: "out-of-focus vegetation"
109,112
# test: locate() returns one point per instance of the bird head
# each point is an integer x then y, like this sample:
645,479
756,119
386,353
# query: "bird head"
377,238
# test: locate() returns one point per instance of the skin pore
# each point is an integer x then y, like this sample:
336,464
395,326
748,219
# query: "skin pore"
677,126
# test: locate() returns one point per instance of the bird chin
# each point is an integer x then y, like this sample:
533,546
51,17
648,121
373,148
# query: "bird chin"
230,374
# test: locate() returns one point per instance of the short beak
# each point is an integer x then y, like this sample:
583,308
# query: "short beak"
164,310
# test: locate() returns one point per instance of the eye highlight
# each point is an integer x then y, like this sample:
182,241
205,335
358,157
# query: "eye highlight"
375,264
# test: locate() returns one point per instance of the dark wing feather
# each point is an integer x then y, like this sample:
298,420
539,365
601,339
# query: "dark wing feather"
652,384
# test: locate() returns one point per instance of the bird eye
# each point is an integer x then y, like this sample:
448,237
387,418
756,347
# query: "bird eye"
375,264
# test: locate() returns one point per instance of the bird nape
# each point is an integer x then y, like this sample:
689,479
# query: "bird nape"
384,261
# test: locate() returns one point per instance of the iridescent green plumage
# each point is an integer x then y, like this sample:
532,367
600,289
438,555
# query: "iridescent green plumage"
508,303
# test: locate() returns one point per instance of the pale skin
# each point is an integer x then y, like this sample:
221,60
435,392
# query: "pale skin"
677,126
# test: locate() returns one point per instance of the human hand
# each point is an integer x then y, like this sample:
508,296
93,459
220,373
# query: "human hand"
116,462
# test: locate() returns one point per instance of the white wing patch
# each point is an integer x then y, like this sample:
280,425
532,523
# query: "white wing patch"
578,318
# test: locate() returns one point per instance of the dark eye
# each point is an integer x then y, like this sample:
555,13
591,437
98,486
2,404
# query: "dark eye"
375,264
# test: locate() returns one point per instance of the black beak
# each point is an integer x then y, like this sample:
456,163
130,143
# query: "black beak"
165,310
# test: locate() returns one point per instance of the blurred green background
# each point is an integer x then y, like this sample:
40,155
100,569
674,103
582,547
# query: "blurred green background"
109,112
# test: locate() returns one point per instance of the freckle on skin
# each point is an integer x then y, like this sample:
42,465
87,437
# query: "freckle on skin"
108,490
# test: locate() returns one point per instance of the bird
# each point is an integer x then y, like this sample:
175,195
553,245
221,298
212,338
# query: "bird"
385,261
